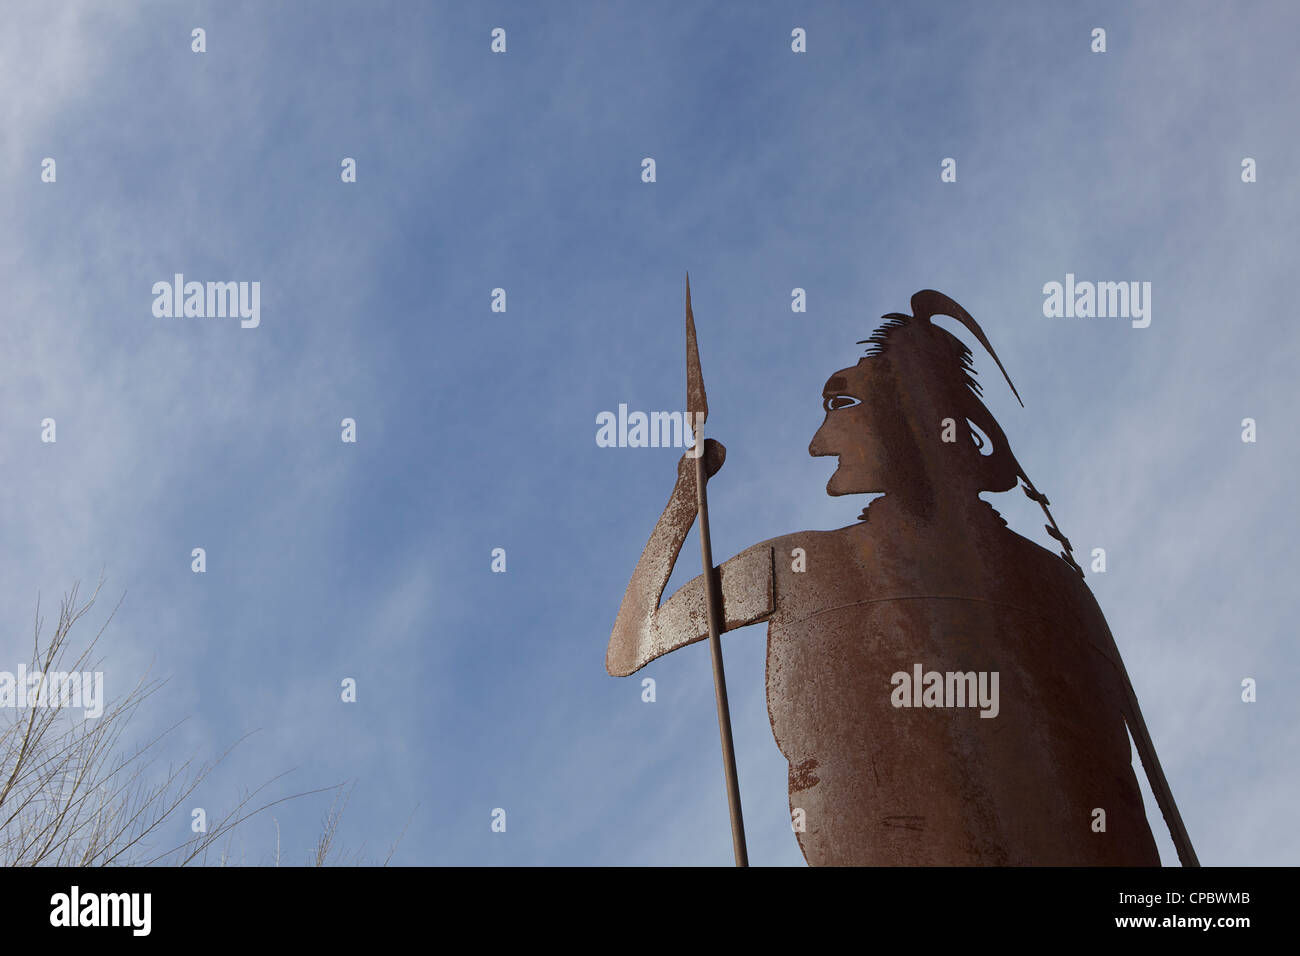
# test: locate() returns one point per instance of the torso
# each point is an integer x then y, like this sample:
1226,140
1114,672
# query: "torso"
886,785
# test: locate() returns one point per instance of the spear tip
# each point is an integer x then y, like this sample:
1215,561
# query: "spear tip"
697,403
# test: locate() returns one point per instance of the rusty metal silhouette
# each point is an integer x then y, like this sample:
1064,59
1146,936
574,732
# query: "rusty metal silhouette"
929,581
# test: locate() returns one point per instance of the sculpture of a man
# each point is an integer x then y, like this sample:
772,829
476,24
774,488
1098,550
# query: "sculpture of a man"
928,583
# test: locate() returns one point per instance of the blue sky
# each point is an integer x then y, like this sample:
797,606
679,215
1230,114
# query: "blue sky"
476,429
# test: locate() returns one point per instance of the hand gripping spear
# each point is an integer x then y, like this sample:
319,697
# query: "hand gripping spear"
697,410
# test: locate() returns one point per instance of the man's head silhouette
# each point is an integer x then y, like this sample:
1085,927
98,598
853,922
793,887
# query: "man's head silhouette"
908,421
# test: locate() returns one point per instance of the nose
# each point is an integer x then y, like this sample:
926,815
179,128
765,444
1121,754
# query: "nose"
818,446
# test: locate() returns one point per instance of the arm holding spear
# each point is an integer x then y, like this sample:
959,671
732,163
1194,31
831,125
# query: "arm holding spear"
718,600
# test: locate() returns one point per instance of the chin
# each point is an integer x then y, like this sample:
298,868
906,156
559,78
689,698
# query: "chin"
844,482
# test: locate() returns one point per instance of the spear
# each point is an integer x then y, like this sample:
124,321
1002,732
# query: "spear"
697,410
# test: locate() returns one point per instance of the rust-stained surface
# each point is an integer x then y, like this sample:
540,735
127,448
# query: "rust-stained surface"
697,402
929,577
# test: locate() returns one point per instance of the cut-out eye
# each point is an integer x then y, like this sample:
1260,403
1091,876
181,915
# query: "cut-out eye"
835,402
982,441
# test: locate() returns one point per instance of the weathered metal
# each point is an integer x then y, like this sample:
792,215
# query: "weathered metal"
929,588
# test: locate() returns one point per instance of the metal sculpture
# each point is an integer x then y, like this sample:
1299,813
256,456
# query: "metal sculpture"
946,692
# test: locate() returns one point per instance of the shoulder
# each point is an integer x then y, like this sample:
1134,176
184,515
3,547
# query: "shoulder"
791,547
1063,593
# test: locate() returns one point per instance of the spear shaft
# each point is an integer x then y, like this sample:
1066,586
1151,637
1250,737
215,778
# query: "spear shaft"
697,408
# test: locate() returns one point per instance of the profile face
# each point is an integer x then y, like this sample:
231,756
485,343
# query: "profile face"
862,421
